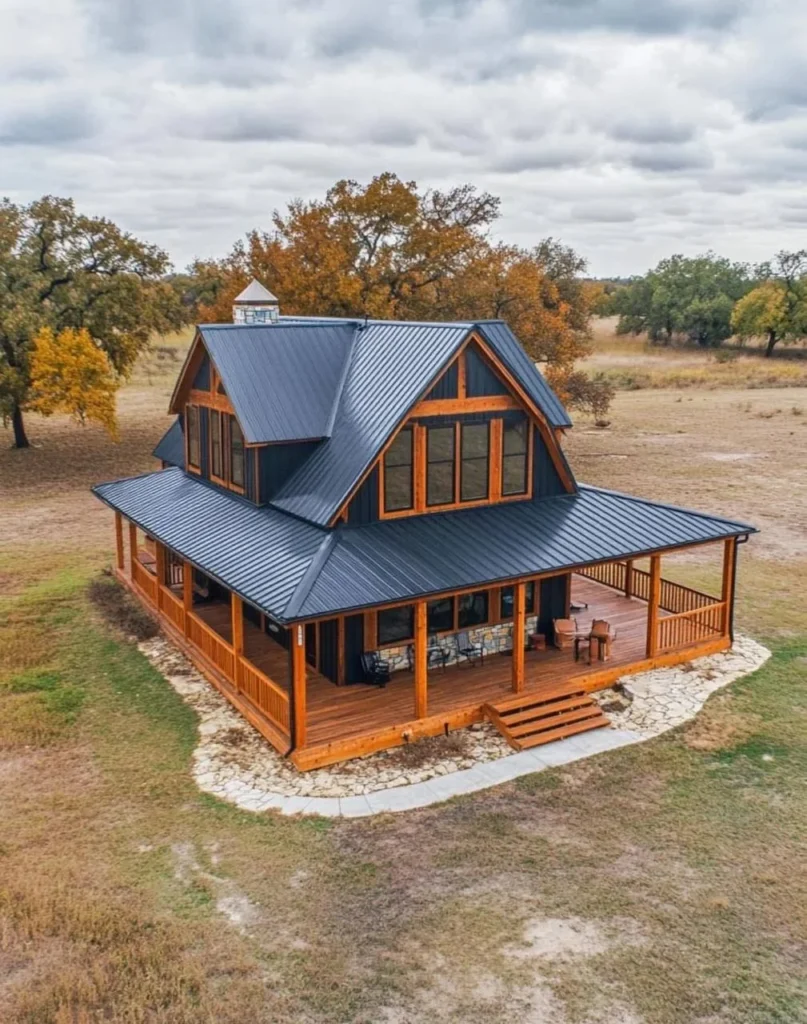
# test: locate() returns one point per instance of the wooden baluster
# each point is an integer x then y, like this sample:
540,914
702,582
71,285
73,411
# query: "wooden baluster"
421,660
187,594
652,606
519,622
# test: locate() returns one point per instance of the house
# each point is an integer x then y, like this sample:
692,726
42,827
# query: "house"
335,493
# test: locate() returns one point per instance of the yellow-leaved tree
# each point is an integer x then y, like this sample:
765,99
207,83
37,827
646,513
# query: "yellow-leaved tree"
70,374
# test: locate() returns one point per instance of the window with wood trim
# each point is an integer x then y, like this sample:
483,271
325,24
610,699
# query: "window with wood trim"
475,461
507,598
440,615
395,625
194,437
237,474
472,609
398,473
440,475
515,454
217,445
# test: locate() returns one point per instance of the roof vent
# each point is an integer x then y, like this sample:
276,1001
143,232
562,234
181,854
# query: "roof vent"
255,305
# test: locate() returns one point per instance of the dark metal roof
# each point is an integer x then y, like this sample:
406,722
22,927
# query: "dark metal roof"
293,570
410,557
171,446
260,554
284,380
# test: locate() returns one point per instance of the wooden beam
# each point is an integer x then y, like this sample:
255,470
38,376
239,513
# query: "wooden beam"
652,605
629,578
729,549
132,547
298,684
421,660
453,406
495,455
237,620
519,625
119,556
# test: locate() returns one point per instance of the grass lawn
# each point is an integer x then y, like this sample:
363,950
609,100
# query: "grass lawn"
658,884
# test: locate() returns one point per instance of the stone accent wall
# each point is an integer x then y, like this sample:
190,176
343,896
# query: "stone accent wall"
494,638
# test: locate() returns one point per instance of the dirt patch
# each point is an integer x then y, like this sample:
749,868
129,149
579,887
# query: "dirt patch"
559,938
120,609
719,727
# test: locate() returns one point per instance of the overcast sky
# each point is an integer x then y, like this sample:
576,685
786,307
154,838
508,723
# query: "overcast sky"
629,129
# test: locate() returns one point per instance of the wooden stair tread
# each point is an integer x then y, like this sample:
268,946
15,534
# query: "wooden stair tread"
513,717
554,721
562,732
525,700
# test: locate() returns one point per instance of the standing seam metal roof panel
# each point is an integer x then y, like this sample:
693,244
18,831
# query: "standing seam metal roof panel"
284,380
171,446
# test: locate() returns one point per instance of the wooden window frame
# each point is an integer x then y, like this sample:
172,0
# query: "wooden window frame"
382,469
190,465
528,455
223,444
233,486
442,462
460,460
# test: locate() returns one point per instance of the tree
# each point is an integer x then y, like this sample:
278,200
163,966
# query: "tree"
62,270
70,374
776,309
690,297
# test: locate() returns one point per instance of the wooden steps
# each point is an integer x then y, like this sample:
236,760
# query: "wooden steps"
531,719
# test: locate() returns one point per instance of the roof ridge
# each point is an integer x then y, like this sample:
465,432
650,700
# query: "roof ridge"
665,504
309,577
340,387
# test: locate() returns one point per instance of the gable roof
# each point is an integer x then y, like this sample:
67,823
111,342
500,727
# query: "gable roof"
293,570
282,379
392,366
255,292
171,446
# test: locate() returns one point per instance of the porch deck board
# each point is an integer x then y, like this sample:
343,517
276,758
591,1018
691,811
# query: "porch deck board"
340,712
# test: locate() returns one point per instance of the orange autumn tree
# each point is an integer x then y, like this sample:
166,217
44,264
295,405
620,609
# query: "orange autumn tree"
71,375
387,250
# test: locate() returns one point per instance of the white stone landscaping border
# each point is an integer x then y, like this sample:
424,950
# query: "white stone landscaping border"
232,761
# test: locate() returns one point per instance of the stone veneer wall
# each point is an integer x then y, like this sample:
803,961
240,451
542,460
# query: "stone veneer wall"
494,638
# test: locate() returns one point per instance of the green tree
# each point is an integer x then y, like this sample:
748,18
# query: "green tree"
686,297
63,270
777,308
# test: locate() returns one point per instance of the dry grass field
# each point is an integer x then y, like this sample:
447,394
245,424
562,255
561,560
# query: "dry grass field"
655,885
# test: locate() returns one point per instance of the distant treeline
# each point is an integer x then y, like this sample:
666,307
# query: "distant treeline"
707,299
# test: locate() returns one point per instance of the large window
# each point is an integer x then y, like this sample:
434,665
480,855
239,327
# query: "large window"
472,609
507,600
216,444
440,465
395,625
440,615
474,466
398,490
194,444
514,457
236,454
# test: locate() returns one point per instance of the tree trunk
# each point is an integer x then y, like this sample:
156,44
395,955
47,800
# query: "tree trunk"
772,339
20,437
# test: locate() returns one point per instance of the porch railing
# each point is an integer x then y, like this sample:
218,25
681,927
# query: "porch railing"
684,629
145,580
172,608
673,597
265,694
212,646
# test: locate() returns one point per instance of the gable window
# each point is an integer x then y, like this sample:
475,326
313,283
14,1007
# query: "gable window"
398,489
236,454
472,609
440,443
514,456
507,600
216,444
474,465
440,615
194,440
394,625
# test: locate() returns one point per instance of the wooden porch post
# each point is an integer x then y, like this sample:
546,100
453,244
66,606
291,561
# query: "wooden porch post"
187,593
119,541
727,595
298,683
237,621
160,564
519,624
629,578
132,547
652,605
421,661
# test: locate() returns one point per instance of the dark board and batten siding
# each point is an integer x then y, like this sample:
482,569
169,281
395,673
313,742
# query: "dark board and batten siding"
278,462
447,386
553,603
546,481
329,649
363,507
354,648
480,379
201,382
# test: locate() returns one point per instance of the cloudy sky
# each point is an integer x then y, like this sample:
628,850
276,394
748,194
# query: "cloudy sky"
628,128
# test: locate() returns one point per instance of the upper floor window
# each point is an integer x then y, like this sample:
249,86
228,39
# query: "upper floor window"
236,454
217,444
398,476
474,467
194,437
440,445
514,457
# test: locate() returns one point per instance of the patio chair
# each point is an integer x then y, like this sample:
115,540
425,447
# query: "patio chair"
376,671
565,632
437,652
471,652
603,636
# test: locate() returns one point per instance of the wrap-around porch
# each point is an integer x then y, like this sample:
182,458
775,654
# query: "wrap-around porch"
273,677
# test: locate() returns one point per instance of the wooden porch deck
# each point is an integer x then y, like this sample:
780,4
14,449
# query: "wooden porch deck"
336,713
